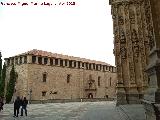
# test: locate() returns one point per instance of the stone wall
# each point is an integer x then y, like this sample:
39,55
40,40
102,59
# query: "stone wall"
133,31
66,79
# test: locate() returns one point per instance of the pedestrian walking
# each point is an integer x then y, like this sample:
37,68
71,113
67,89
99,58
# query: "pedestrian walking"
1,104
24,106
17,104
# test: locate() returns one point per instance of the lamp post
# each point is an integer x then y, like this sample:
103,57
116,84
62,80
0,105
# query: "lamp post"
30,94
82,84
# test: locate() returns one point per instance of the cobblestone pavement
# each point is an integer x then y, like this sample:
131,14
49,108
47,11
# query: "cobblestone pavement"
105,110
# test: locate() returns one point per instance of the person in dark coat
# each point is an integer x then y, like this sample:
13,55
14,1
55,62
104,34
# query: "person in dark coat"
24,106
1,104
17,105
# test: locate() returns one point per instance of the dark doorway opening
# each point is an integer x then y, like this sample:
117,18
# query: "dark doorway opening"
90,95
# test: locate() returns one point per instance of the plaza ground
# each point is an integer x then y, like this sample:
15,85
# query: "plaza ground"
105,110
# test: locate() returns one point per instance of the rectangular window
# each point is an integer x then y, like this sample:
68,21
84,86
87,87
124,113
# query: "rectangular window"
56,61
16,61
79,64
43,93
33,59
96,67
12,61
110,81
74,63
45,61
90,66
8,63
68,78
100,67
87,66
66,62
51,61
83,65
40,60
106,68
44,77
99,81
111,69
61,62
103,68
20,60
93,66
70,63
25,59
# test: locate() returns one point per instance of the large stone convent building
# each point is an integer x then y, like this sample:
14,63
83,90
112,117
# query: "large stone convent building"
44,75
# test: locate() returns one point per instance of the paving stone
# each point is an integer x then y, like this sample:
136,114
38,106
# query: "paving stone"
106,110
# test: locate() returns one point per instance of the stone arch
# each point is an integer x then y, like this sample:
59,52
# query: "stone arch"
90,95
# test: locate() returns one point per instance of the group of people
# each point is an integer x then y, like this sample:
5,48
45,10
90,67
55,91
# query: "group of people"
17,104
1,103
20,103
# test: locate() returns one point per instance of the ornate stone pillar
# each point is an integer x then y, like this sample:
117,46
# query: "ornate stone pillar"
152,98
131,49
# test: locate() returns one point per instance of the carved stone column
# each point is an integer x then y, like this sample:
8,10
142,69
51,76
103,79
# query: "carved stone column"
152,98
130,49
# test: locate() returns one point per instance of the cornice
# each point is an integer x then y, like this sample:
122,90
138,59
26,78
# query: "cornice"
121,2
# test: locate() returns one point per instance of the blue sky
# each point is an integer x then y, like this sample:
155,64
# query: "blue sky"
83,30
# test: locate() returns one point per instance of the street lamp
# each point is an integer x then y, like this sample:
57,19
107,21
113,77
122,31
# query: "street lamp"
82,84
30,93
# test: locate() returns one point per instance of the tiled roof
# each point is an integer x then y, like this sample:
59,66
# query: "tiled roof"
55,55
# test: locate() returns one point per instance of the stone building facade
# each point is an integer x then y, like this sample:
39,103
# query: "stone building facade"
137,46
43,75
133,36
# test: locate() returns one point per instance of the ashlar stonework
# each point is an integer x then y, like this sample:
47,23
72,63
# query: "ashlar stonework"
43,75
131,39
137,46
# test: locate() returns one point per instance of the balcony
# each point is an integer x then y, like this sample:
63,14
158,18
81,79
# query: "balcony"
90,89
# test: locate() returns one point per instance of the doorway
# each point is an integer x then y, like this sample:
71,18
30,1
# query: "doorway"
90,95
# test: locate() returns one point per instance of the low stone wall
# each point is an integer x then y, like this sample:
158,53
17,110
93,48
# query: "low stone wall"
69,100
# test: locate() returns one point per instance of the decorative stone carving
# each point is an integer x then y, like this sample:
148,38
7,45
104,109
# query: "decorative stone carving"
149,23
123,52
135,42
132,72
132,16
151,39
134,36
120,20
122,37
130,30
